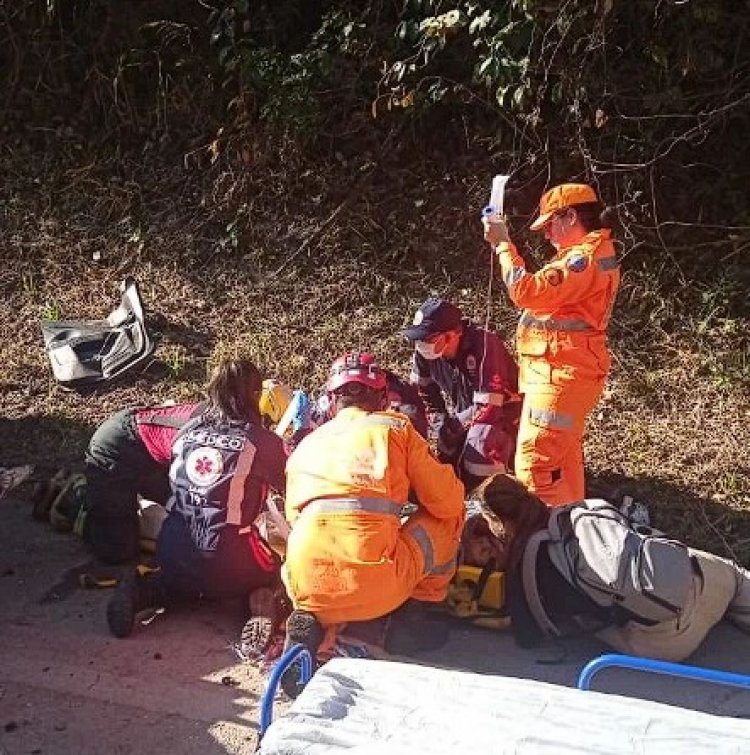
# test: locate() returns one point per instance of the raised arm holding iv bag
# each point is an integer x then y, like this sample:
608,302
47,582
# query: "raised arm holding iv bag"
495,209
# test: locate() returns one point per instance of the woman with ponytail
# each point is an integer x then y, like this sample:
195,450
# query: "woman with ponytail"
224,463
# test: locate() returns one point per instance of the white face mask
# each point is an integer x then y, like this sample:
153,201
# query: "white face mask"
428,350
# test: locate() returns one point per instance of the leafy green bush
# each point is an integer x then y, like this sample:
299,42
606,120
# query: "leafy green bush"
646,98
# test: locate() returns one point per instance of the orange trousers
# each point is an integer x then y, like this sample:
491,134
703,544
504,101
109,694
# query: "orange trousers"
549,452
327,574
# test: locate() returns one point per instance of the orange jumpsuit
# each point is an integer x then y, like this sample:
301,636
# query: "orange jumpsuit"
349,558
563,358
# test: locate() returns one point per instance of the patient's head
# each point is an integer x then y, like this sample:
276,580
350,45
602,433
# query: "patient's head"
518,512
480,545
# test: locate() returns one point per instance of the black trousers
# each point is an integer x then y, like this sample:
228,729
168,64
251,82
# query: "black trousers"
118,468
232,570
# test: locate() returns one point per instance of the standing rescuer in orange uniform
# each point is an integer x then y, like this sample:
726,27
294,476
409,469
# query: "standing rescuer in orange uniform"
349,557
561,338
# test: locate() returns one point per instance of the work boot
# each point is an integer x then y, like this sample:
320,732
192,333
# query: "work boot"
302,628
268,609
45,492
133,594
414,628
69,504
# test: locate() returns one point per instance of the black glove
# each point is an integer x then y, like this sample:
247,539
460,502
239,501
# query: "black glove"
450,441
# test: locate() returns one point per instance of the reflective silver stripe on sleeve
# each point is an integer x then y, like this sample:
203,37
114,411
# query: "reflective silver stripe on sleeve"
513,276
415,379
381,419
425,545
529,321
496,399
608,263
348,505
422,539
447,568
549,418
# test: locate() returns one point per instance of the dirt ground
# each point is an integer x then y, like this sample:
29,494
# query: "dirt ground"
67,686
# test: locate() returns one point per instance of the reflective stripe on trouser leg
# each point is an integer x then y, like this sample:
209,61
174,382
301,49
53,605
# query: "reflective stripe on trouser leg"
549,455
437,541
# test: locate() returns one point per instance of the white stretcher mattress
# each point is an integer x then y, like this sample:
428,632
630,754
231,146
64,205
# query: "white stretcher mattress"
368,707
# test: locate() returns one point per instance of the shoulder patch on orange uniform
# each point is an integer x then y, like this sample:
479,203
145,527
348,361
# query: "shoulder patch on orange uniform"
577,263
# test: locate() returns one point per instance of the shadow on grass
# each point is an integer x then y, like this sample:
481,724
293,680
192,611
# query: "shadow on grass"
180,355
47,441
699,521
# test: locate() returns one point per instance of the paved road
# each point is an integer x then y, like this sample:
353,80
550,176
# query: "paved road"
66,686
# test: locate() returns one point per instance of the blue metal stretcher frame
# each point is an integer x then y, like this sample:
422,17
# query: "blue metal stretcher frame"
299,653
292,655
697,673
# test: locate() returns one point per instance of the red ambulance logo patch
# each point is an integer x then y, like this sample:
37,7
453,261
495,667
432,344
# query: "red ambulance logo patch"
204,466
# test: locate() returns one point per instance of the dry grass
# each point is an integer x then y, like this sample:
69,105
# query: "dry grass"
672,428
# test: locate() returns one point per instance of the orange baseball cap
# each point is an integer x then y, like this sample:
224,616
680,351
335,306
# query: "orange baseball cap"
560,197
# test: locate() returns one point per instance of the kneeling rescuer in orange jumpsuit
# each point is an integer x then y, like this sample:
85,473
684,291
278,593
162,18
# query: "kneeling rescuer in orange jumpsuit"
349,558
561,338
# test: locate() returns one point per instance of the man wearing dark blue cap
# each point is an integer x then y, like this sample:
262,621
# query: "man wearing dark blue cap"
459,365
